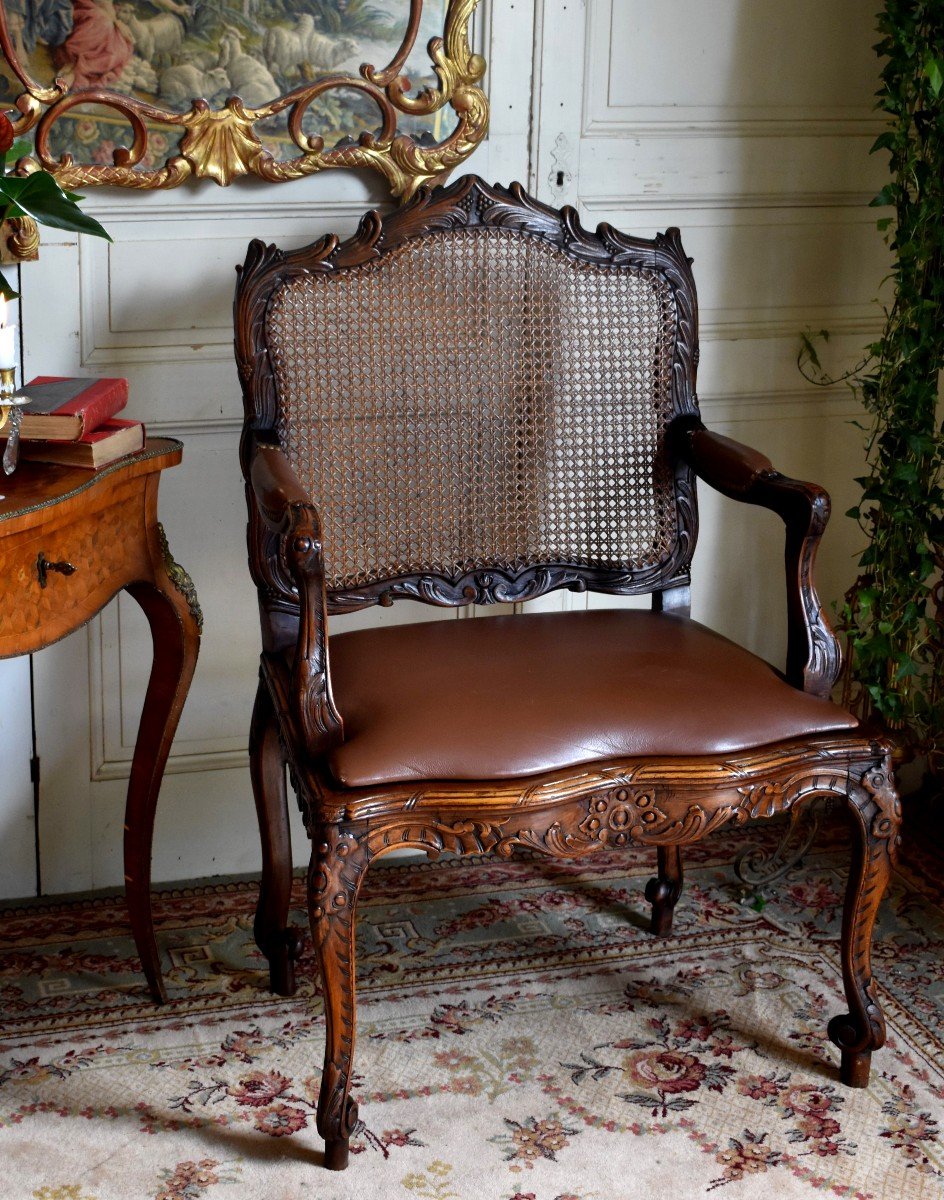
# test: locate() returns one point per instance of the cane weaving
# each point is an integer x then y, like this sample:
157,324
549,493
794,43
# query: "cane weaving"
477,399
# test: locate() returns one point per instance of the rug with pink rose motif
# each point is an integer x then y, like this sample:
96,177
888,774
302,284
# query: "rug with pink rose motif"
521,1037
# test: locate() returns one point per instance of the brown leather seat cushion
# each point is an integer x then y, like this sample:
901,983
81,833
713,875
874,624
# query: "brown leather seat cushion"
498,697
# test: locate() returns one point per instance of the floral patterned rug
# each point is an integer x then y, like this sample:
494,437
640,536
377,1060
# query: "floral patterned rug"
522,1037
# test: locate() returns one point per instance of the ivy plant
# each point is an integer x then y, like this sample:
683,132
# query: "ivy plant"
893,616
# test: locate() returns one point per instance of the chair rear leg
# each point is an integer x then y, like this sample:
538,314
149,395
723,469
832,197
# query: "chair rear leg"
280,944
876,812
664,889
338,862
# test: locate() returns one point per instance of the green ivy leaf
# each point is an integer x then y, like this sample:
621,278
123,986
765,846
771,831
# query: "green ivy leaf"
867,597
934,70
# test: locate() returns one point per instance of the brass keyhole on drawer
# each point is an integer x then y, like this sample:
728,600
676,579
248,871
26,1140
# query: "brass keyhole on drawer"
44,566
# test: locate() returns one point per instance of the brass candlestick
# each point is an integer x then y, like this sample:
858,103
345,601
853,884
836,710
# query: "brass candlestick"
11,417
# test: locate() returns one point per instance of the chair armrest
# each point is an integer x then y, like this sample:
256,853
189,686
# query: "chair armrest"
276,487
285,507
814,656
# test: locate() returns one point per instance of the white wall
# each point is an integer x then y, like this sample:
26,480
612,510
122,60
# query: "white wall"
746,122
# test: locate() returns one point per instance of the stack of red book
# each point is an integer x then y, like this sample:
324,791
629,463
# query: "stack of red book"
72,422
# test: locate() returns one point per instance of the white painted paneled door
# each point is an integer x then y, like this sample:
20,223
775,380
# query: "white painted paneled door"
745,122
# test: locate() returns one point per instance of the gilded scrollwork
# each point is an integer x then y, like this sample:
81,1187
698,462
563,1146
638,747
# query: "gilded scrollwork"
224,143
19,240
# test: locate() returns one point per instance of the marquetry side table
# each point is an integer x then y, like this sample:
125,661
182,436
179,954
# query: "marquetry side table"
70,540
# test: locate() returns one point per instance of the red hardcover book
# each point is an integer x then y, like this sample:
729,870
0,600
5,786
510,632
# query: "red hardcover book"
112,440
63,409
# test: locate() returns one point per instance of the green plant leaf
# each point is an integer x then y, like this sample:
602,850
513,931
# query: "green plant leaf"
7,289
809,349
866,598
20,148
934,70
40,197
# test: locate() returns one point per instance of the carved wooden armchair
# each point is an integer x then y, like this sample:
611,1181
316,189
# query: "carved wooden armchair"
475,400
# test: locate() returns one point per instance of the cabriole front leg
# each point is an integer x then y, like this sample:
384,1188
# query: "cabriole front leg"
876,819
338,861
281,944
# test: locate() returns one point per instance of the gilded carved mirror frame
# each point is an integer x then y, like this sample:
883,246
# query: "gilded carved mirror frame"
224,143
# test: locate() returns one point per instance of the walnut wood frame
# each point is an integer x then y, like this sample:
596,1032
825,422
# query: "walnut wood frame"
664,802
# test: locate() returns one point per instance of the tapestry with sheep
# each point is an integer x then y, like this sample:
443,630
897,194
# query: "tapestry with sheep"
171,53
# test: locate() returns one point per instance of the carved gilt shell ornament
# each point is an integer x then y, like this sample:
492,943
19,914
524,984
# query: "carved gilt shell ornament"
114,108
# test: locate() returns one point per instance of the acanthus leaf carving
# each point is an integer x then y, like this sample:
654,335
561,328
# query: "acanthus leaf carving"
338,862
622,811
603,807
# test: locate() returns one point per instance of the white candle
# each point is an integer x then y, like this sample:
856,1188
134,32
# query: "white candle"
7,338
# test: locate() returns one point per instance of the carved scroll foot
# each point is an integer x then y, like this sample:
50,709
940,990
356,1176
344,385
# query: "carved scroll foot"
876,812
338,862
663,890
281,944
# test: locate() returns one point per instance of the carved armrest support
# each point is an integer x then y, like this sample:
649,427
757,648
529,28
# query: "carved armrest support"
814,656
276,487
285,507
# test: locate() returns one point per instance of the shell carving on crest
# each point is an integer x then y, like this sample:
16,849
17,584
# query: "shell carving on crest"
220,145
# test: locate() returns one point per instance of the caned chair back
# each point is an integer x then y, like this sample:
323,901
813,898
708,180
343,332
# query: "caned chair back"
477,395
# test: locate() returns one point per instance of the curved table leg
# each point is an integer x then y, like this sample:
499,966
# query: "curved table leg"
170,605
